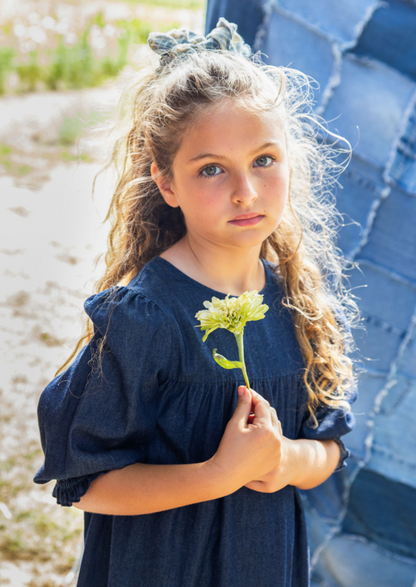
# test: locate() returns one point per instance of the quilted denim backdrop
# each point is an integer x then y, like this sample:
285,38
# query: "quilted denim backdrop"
362,521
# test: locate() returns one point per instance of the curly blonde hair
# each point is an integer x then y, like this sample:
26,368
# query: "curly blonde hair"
157,108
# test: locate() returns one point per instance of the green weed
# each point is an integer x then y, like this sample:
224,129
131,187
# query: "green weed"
7,56
69,157
73,127
179,4
5,150
6,153
76,66
41,534
30,72
23,170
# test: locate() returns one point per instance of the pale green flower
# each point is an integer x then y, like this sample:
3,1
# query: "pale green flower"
232,314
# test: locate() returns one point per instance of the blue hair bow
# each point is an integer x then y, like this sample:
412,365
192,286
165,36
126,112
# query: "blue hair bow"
180,41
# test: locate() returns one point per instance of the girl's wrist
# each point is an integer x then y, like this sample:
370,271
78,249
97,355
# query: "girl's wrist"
221,479
311,461
289,465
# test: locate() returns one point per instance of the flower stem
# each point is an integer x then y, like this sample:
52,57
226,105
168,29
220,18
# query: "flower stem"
240,344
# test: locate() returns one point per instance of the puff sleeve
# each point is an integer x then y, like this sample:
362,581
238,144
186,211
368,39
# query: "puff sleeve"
333,423
100,414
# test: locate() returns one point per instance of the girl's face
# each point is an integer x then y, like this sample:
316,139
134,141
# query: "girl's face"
232,164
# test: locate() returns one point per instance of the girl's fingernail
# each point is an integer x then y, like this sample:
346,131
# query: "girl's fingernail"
241,390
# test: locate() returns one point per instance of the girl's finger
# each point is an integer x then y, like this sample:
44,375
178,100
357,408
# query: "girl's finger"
255,397
261,409
275,419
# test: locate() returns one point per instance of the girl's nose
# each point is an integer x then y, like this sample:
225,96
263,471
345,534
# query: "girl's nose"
244,190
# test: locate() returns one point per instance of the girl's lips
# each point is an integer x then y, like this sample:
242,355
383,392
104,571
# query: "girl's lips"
247,221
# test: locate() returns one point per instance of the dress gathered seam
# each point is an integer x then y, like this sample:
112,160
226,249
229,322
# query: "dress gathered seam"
219,381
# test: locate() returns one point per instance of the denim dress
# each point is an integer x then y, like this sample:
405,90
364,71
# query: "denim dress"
154,394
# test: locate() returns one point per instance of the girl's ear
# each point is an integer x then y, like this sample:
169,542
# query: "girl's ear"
165,186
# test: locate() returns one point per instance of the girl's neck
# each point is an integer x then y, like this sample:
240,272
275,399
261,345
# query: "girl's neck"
224,271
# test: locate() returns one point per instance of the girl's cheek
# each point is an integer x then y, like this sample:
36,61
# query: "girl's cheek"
210,196
281,182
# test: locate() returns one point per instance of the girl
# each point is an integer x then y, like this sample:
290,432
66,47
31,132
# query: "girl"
222,189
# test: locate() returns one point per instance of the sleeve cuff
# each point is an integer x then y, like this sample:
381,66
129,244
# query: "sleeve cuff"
345,453
69,491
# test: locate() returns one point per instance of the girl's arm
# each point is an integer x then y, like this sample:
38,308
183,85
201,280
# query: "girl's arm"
248,450
305,464
145,489
315,460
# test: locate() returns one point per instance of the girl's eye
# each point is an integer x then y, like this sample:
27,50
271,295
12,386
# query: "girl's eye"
209,171
263,161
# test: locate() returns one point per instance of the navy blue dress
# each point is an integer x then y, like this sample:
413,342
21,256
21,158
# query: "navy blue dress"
157,396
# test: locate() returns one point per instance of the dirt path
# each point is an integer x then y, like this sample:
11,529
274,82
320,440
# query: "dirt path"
51,233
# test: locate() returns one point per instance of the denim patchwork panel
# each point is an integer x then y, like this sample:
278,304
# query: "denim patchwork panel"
290,44
369,84
343,24
327,499
371,384
392,240
389,36
387,299
393,451
318,528
383,510
373,97
385,323
406,364
247,14
377,344
363,186
403,167
352,561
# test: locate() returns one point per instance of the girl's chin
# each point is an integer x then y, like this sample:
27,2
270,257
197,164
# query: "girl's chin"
249,241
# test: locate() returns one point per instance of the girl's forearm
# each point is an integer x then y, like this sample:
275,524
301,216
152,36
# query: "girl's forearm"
315,461
145,489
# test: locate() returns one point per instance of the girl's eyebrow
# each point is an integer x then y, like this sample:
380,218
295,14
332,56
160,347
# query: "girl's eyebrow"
269,144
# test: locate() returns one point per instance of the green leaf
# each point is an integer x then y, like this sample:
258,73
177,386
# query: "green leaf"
223,362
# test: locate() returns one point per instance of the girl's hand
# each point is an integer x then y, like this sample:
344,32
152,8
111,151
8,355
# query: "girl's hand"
251,446
279,477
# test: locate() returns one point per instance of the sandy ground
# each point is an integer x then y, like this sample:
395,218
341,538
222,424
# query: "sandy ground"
49,241
51,234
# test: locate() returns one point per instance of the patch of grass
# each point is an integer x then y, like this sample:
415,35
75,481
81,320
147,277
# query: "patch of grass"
179,4
30,72
5,152
13,546
73,127
7,164
11,166
37,531
42,533
78,65
69,157
7,56
23,170
73,67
